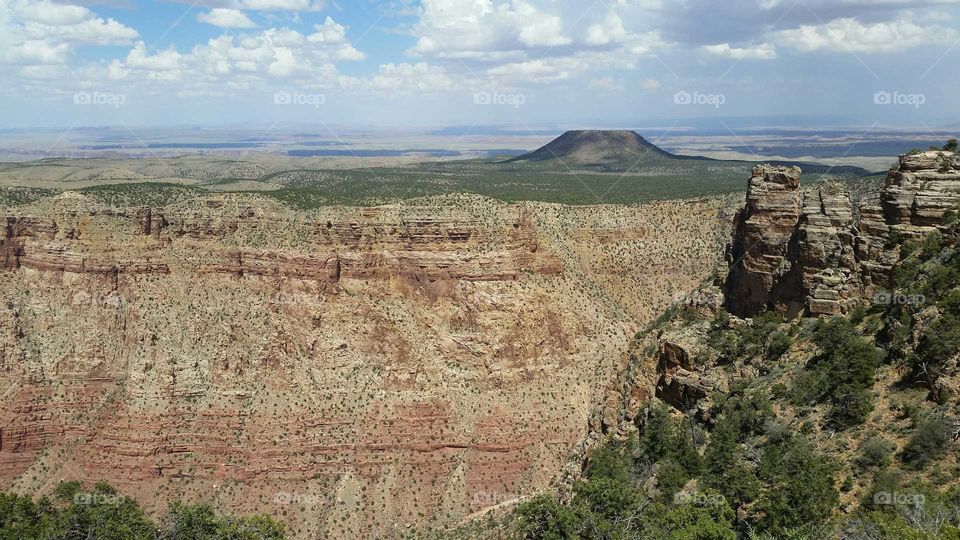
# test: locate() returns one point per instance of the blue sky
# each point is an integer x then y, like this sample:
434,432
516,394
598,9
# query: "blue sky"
464,62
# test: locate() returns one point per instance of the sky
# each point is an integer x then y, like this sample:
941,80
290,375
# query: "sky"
606,63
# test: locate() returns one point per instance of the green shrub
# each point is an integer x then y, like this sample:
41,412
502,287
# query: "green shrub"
798,487
725,467
664,438
939,343
22,518
105,514
610,460
951,145
707,518
544,518
841,375
928,442
875,452
778,345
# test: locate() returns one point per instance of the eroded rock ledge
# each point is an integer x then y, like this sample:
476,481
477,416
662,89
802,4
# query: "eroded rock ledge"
797,250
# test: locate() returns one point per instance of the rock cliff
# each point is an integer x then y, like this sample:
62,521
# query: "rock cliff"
760,273
356,372
803,250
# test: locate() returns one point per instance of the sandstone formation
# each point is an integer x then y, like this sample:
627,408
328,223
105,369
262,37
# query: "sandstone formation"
356,372
814,256
760,272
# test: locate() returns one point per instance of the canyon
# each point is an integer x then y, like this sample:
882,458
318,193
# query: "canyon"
352,371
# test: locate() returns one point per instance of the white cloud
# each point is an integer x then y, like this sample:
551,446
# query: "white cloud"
532,41
335,35
275,57
405,78
51,14
166,65
607,85
764,51
281,5
650,85
35,33
849,34
59,23
37,52
486,29
226,18
94,31
545,31
610,30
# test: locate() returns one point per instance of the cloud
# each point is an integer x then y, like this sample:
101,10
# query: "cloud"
167,65
39,37
850,35
531,41
37,52
281,5
406,78
607,85
650,85
53,23
51,14
228,63
489,30
764,51
226,18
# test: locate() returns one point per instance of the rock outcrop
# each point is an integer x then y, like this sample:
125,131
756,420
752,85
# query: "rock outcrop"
760,272
799,250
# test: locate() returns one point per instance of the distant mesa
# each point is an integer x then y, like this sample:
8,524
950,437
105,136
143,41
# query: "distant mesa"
627,151
596,147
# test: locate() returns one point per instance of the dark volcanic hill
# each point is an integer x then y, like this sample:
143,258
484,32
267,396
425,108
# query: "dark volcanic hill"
627,151
596,147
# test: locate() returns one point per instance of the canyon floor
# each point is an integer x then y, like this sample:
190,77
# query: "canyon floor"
350,370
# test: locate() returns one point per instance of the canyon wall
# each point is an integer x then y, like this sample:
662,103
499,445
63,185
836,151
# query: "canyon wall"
352,371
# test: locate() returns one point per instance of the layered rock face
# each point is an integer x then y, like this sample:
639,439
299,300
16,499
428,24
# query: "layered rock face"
818,258
917,194
760,259
356,372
